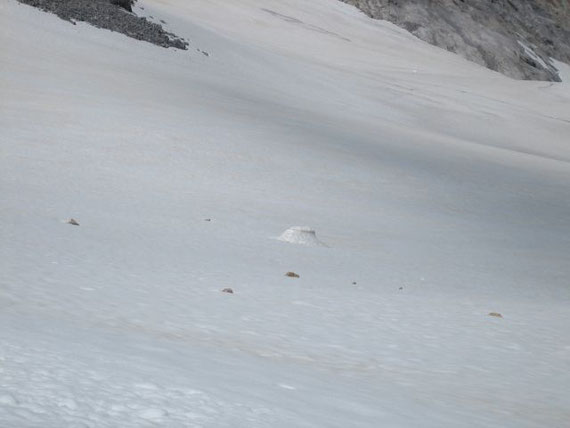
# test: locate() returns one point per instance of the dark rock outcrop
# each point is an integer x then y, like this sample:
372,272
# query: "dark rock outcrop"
125,4
514,37
112,15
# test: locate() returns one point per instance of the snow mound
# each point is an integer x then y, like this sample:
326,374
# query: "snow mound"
301,235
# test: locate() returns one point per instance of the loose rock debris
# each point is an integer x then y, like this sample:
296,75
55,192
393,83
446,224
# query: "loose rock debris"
292,275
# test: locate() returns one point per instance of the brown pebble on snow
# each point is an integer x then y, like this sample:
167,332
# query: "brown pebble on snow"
495,314
228,290
292,275
73,222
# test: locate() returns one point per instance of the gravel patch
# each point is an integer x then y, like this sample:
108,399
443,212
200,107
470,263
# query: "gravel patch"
112,15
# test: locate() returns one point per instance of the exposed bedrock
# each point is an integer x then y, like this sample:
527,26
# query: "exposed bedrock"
514,37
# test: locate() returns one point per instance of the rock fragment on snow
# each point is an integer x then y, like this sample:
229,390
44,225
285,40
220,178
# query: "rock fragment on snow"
495,314
73,222
228,290
292,275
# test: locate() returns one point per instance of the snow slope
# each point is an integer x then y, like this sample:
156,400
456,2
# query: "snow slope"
441,189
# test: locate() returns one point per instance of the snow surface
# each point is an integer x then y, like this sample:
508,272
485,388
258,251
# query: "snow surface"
563,70
301,235
441,188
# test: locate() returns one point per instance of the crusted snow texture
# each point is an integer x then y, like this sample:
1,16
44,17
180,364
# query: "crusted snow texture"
112,15
487,31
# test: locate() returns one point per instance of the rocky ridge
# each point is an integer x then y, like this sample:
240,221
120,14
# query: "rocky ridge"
515,37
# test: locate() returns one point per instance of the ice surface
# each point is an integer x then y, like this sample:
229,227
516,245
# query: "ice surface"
442,189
